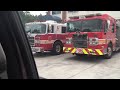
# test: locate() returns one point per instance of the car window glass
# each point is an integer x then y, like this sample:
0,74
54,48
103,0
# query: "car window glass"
90,55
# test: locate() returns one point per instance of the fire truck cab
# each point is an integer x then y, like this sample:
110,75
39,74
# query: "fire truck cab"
92,35
46,36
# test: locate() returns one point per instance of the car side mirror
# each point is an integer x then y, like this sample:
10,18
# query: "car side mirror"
3,66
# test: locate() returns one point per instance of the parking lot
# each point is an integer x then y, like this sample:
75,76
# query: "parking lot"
67,66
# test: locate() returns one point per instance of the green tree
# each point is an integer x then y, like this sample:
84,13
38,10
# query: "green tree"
40,17
26,17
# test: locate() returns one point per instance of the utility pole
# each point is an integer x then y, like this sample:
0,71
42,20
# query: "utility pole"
48,13
64,16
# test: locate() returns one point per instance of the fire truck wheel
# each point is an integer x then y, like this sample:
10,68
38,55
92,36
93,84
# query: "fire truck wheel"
109,52
57,48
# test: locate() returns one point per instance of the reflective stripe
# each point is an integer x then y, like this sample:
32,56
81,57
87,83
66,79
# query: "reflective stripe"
102,41
84,51
65,49
99,52
46,41
90,50
69,49
74,50
96,52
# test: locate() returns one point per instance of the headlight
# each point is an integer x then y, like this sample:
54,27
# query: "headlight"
93,41
69,41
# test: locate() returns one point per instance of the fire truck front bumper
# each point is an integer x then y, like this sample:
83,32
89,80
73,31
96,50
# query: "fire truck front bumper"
87,51
37,49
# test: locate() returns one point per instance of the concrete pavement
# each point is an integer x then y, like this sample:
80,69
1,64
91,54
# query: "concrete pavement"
67,66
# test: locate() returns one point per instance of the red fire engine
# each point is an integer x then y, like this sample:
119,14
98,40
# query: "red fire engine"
46,36
93,35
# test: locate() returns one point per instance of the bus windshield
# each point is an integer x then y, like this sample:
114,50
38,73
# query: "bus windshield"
94,25
35,28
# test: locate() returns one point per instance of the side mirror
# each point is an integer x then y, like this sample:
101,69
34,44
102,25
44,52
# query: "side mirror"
3,66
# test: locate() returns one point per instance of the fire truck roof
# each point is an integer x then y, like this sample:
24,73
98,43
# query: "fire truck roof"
93,16
47,22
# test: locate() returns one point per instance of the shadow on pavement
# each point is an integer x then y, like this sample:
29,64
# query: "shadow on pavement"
46,54
91,59
85,58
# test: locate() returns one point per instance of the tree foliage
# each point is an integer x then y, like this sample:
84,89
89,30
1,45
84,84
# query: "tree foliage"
26,17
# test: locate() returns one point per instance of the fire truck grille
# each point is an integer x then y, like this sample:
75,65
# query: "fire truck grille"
80,41
31,40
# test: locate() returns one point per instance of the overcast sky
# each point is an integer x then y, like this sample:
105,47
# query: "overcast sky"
38,12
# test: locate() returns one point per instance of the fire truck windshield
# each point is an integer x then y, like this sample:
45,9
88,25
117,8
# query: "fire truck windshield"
73,26
94,25
36,28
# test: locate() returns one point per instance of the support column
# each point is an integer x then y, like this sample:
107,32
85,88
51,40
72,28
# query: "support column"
64,15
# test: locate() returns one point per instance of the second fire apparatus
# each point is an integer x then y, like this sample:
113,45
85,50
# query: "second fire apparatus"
46,36
93,35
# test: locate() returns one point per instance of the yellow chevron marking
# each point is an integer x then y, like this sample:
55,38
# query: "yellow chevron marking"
69,48
99,52
90,50
84,51
74,50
